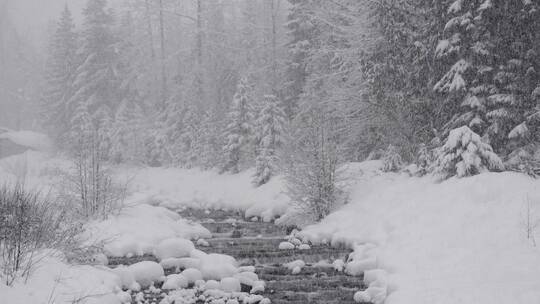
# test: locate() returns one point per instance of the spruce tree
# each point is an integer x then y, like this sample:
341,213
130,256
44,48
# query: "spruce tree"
60,69
96,81
468,47
239,130
270,125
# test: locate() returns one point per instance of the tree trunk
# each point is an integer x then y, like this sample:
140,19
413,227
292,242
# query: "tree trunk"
163,55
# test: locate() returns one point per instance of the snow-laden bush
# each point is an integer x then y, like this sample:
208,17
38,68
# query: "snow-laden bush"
392,161
465,154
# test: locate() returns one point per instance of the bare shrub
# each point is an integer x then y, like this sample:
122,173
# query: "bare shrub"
30,226
310,165
90,185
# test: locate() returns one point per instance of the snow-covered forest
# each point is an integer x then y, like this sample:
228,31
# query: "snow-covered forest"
404,131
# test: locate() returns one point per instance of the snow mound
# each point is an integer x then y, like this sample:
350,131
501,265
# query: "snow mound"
192,275
174,248
175,281
140,229
217,266
147,273
230,285
286,246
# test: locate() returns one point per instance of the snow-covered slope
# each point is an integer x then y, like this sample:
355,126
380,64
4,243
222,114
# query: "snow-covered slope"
459,241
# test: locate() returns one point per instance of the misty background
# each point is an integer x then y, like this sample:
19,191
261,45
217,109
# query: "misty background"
25,28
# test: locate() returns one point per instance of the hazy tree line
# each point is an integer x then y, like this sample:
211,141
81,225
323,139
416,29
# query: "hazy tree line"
300,86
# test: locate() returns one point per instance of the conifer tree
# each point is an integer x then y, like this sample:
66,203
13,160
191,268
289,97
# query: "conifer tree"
469,46
270,125
96,80
238,132
61,65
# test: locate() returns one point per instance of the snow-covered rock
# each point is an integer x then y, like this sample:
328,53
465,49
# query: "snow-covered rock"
304,247
295,266
230,285
362,297
147,272
258,287
356,268
217,266
338,265
202,242
175,281
247,278
286,246
192,275
180,263
212,284
174,248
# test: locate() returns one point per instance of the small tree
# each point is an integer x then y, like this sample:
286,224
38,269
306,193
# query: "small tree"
90,185
270,123
465,154
310,165
392,160
239,130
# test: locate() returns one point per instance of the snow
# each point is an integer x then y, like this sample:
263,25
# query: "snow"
286,246
217,266
180,263
192,275
33,140
458,241
174,248
177,188
175,281
247,278
212,284
230,285
139,229
258,286
147,272
295,266
304,247
64,284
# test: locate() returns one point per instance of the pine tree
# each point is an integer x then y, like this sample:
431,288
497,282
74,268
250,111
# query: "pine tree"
517,74
61,64
271,124
96,80
468,81
189,140
465,154
301,32
239,130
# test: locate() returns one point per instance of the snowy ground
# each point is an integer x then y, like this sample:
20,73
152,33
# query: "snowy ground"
175,188
459,241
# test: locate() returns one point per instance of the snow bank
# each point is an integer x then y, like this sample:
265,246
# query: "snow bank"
459,241
175,188
139,229
57,282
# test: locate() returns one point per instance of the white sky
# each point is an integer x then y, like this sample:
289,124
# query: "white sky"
32,17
